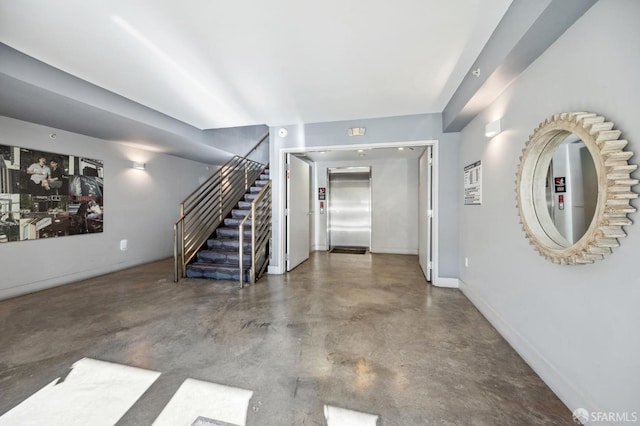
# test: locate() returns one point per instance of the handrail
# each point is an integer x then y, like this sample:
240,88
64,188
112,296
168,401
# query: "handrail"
260,213
204,209
265,137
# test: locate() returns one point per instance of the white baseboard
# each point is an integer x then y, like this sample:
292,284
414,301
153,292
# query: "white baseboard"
275,270
559,384
32,287
446,282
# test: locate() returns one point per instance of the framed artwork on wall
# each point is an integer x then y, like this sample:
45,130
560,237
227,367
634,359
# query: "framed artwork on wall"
49,195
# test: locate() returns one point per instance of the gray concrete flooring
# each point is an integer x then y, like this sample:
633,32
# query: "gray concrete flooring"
364,332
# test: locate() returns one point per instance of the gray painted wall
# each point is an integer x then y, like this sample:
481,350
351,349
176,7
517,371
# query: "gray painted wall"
576,325
382,130
140,206
239,141
394,204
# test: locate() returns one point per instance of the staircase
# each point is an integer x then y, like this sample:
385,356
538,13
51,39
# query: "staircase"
219,260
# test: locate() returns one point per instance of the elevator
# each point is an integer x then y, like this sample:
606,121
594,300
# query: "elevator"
349,207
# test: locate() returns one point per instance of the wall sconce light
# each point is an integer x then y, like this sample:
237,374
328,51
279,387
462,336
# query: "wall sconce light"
357,131
493,128
139,166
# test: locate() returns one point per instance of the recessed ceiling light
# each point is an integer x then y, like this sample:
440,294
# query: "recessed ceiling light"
401,149
361,150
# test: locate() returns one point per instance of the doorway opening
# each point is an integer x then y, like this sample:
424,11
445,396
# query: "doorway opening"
349,207
403,202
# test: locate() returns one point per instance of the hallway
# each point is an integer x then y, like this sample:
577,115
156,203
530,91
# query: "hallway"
363,332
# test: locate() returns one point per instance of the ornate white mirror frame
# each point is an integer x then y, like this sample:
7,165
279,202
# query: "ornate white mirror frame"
614,187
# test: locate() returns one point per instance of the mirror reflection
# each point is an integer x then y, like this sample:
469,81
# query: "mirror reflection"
571,189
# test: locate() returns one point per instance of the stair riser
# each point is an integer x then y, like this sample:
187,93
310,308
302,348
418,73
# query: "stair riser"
215,275
232,233
265,177
231,221
261,183
244,204
223,258
227,245
239,213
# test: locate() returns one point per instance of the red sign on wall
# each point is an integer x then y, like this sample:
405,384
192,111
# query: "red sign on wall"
322,193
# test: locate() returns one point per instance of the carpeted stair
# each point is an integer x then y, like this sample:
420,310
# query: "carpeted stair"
219,261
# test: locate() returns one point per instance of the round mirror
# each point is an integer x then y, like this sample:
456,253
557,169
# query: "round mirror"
574,188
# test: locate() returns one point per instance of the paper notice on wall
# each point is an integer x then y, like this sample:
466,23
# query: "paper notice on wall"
473,184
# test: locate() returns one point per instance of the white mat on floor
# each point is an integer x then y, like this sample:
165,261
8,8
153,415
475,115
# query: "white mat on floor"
196,398
342,417
94,393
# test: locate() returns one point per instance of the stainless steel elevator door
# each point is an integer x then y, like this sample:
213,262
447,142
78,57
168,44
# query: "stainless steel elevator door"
349,207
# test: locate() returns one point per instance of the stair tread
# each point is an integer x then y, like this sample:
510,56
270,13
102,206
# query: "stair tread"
223,238
233,222
219,251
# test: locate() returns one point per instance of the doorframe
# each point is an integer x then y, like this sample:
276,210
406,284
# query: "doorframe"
279,255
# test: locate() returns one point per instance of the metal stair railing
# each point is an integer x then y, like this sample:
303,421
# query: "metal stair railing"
260,216
202,211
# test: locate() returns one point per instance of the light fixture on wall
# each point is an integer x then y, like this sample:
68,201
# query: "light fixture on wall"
139,166
357,131
493,128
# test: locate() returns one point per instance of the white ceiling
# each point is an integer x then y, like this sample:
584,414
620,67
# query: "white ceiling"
214,64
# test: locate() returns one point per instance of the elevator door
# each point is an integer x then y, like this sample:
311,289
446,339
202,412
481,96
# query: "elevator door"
350,207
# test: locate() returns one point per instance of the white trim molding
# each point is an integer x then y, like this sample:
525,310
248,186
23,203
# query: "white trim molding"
446,282
279,171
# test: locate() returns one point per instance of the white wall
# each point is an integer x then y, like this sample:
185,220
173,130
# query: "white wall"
421,127
139,206
394,204
576,325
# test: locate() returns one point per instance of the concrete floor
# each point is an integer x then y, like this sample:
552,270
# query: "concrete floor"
364,332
